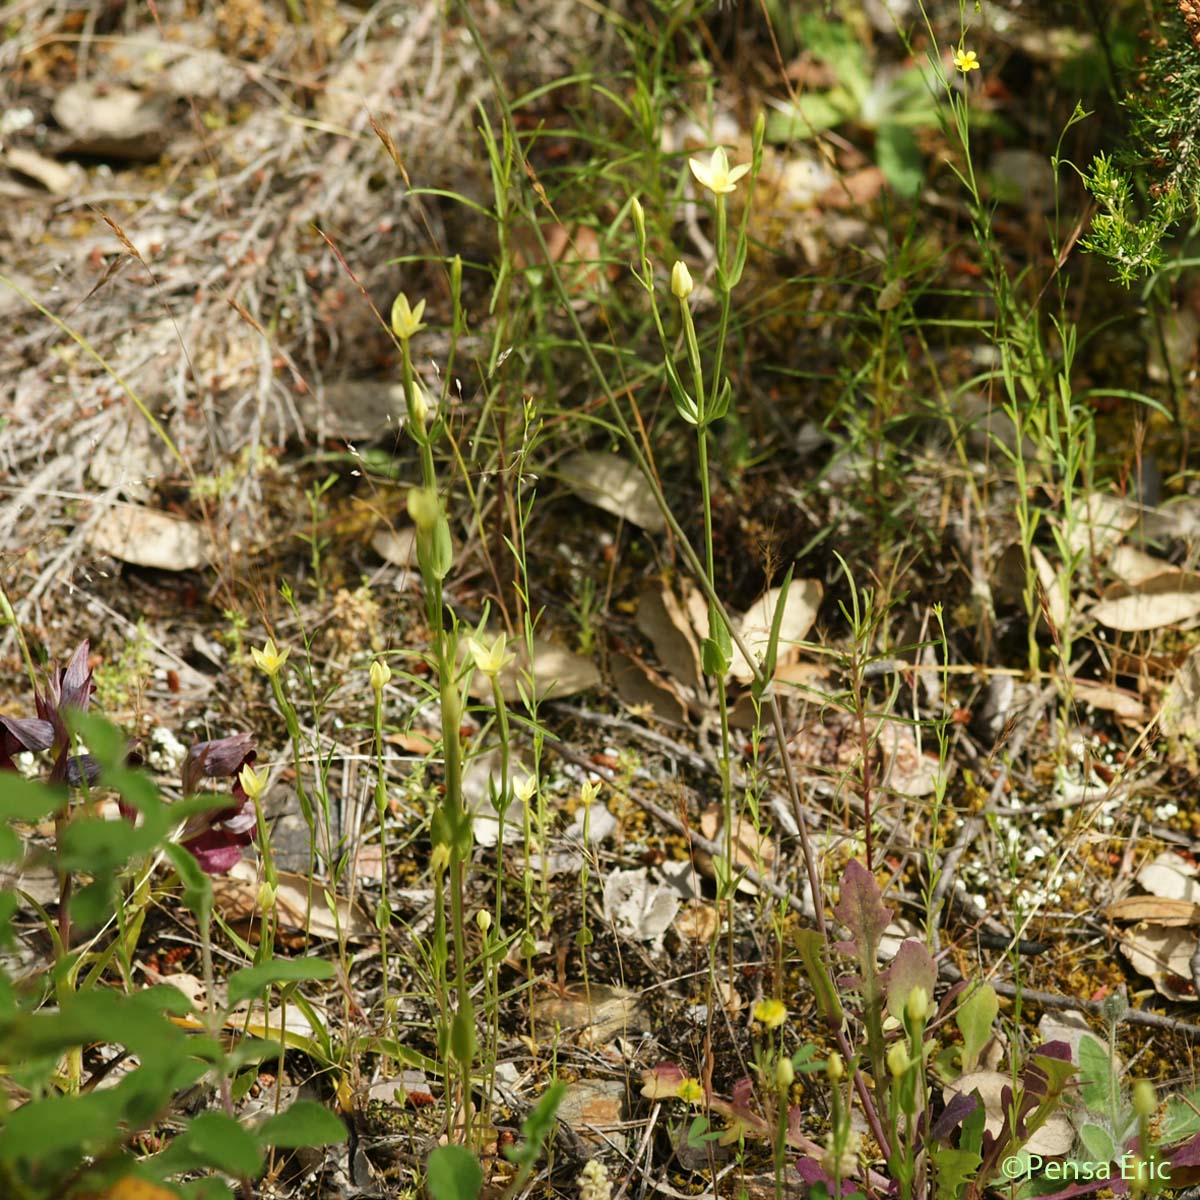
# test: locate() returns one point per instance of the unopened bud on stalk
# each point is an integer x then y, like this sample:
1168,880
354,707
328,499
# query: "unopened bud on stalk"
681,281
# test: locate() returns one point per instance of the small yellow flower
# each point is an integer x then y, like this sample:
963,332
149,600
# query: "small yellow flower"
380,674
483,919
771,1013
681,281
918,1006
835,1067
253,782
491,660
966,60
406,321
525,789
589,792
268,659
718,176
690,1091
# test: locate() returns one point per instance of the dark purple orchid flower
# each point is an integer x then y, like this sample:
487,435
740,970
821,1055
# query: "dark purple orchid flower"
216,838
66,688
22,733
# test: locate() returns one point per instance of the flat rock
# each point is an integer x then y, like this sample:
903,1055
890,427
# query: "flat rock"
111,122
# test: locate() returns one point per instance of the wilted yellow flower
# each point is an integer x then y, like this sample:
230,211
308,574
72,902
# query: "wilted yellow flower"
268,659
771,1013
690,1091
380,674
406,321
491,660
681,281
718,176
966,60
253,782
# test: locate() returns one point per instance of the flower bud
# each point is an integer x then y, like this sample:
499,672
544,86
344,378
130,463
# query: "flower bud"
785,1073
483,919
424,508
1144,1099
266,897
380,674
918,1007
681,281
835,1068
898,1060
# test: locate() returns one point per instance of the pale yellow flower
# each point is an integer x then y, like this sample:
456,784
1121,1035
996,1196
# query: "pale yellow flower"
380,674
771,1013
681,281
525,789
406,321
690,1091
253,782
491,660
717,175
966,60
268,659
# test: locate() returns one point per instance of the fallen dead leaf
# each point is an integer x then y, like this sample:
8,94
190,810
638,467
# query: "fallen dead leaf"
595,1016
663,620
300,902
1163,955
1179,715
1168,598
613,484
557,672
639,907
1056,1137
750,847
1155,909
1121,702
803,602
698,921
1171,877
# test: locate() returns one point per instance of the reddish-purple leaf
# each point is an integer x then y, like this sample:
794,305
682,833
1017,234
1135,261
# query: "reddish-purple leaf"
860,908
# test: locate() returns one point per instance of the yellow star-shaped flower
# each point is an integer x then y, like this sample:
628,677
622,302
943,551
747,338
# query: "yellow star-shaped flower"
966,61
717,175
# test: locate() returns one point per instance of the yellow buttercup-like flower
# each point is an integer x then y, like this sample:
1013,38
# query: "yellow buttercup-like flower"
269,660
491,660
771,1013
406,321
966,60
717,175
690,1091
253,782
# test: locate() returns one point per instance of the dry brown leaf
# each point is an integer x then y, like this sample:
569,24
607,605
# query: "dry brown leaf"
698,921
750,848
613,484
1163,955
1121,702
557,672
145,537
398,547
1101,523
1056,1137
1133,566
596,1015
1171,877
1155,909
662,619
643,691
1180,712
300,903
803,602
1168,598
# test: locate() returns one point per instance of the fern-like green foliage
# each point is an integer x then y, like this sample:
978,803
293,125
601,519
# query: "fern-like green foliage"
1164,151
